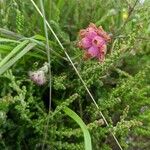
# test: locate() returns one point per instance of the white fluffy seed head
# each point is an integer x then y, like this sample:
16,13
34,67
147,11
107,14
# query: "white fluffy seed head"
38,77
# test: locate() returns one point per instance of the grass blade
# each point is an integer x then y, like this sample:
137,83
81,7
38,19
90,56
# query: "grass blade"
16,58
78,120
13,52
10,34
8,40
49,67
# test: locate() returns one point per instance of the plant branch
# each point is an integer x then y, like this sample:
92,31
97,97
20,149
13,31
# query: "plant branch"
84,84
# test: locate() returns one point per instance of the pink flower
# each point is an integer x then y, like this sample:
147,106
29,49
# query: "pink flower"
93,41
39,76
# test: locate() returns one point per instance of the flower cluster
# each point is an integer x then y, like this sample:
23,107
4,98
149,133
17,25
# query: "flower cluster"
93,40
39,76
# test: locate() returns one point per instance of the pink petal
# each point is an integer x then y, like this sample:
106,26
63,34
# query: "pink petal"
101,57
98,41
102,53
82,33
103,49
86,42
103,34
93,51
91,34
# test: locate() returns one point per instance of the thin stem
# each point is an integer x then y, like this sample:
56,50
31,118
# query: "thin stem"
131,9
50,74
84,84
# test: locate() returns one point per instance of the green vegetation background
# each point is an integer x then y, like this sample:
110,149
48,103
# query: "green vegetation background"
120,85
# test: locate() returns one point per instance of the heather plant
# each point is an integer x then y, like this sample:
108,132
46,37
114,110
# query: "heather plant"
63,89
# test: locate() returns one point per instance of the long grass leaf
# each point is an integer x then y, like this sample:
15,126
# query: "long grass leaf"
78,120
5,47
10,33
8,40
16,58
13,52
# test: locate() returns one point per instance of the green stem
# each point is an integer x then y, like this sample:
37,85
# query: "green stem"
49,70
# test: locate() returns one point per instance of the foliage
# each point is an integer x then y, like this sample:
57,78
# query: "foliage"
120,85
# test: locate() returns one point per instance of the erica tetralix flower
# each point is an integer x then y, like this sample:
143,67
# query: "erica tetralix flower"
93,40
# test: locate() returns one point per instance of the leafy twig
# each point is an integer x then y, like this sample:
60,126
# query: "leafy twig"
77,72
131,10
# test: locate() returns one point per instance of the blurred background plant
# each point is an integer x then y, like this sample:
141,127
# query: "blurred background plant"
120,85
